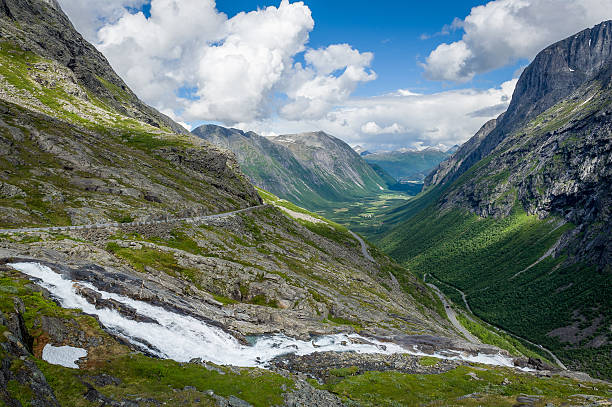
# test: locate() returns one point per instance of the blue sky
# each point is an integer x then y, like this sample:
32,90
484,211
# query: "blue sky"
392,32
385,75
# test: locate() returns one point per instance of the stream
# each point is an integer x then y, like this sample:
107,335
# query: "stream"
182,338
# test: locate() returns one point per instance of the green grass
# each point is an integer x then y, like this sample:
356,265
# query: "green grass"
179,239
362,215
501,340
428,361
344,321
141,259
328,229
481,255
145,377
394,389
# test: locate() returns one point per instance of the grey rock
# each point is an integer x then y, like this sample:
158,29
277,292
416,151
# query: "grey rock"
556,73
307,396
8,191
320,364
28,375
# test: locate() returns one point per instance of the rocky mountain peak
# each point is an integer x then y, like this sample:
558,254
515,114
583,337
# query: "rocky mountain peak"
559,70
555,73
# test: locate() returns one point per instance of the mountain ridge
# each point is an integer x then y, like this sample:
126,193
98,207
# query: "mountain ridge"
310,169
521,210
567,64
70,49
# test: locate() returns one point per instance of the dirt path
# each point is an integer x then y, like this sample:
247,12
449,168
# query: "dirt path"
116,224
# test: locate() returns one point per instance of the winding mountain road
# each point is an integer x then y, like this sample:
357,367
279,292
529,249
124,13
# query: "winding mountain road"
452,316
552,355
364,246
117,224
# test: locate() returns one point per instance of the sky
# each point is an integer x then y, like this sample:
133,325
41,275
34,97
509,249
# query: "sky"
384,75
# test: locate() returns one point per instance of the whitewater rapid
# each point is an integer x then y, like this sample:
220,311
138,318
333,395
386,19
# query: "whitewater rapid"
182,338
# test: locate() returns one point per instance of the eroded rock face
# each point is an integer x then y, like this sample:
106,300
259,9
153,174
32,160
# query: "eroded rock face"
555,74
551,152
449,167
17,367
46,30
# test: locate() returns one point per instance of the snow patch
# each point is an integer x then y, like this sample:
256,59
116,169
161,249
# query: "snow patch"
66,356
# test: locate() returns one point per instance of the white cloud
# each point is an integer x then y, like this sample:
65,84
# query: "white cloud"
330,77
395,121
237,78
503,31
89,16
226,70
336,57
374,128
243,71
156,56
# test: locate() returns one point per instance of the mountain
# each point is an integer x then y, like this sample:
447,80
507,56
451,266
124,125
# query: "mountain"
361,151
518,218
453,149
334,162
29,25
310,169
268,165
111,181
139,267
408,165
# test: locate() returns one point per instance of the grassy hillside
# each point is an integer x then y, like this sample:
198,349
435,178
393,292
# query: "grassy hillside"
494,261
69,157
524,231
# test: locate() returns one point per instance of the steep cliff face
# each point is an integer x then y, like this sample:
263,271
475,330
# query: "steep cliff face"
556,73
521,213
41,27
550,152
78,147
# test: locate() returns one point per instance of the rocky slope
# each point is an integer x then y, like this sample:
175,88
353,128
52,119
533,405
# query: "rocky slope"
268,165
43,29
340,170
309,169
75,152
539,181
